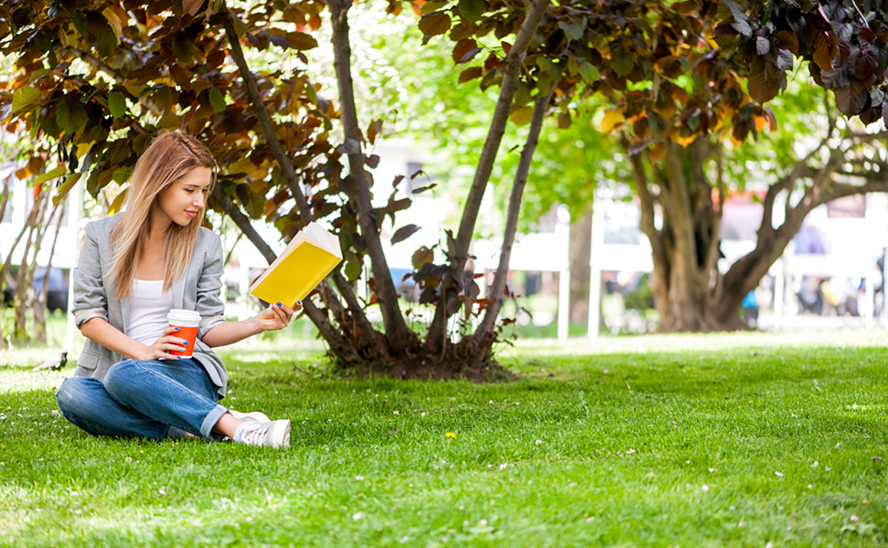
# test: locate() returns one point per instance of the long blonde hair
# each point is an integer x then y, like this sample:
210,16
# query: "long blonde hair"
169,157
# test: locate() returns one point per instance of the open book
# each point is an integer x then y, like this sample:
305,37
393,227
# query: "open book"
311,255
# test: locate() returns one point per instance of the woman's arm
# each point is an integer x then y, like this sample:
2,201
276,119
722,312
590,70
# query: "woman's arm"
275,317
102,332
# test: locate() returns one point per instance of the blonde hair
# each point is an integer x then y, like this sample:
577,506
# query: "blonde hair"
169,157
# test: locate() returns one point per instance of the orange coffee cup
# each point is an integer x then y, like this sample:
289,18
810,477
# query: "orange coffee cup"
187,322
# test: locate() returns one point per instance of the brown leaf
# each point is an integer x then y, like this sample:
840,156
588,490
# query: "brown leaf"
825,50
180,76
851,99
470,74
422,256
788,40
867,62
404,232
462,48
435,23
374,130
762,87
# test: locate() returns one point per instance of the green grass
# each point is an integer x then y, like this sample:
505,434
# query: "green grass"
717,440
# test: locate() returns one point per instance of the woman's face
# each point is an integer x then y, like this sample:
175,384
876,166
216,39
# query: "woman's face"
184,200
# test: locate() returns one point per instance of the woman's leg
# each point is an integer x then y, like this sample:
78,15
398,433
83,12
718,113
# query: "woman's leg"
85,402
174,392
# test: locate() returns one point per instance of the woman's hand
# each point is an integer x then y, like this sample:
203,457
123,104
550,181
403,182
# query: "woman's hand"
277,316
162,346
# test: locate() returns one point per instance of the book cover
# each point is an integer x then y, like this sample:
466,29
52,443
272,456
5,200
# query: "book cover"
309,258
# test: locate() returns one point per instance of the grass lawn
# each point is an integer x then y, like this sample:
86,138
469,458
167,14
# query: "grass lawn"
714,440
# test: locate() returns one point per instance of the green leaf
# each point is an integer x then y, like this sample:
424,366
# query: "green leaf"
217,100
521,116
24,97
70,115
52,174
622,62
106,38
122,175
116,104
66,187
574,31
472,10
353,267
589,73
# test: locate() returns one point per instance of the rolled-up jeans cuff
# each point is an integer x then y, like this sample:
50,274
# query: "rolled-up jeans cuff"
206,429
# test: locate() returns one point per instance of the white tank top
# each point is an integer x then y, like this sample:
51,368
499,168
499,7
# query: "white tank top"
149,306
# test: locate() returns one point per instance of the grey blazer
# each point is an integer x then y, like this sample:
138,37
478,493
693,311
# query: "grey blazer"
198,290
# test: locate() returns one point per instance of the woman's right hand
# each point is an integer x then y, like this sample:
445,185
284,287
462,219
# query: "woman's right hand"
163,345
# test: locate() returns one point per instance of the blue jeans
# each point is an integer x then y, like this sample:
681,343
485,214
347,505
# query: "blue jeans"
150,399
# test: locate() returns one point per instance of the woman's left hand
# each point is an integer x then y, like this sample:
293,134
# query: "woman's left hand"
276,316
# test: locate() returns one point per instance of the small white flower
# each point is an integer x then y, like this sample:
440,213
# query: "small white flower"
161,491
56,412
482,522
358,516
629,452
74,493
705,488
778,474
359,478
810,486
538,442
422,414
855,518
397,412
503,466
815,464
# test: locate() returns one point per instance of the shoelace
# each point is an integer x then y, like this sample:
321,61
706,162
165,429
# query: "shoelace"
254,435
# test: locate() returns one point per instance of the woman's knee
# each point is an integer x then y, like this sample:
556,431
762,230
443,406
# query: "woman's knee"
76,397
120,375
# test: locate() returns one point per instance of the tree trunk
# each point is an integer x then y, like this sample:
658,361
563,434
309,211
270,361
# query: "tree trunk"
38,304
458,248
689,291
399,337
580,270
484,334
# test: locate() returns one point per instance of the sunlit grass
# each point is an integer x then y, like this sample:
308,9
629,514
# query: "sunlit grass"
740,439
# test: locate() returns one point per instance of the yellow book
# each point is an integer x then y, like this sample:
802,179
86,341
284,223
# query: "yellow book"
311,255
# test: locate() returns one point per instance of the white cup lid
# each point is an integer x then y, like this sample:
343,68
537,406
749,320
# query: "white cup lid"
182,315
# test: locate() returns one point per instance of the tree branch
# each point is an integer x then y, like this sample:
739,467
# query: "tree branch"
459,253
495,295
258,104
244,224
397,333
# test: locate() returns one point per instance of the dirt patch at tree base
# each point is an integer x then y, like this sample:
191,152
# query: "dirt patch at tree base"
428,370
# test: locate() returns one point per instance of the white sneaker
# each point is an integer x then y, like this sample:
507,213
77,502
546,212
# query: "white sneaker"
274,434
256,416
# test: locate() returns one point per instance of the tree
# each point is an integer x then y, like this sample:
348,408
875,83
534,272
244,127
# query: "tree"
96,79
685,175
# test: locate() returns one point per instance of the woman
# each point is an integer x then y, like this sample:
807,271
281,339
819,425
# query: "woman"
133,269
